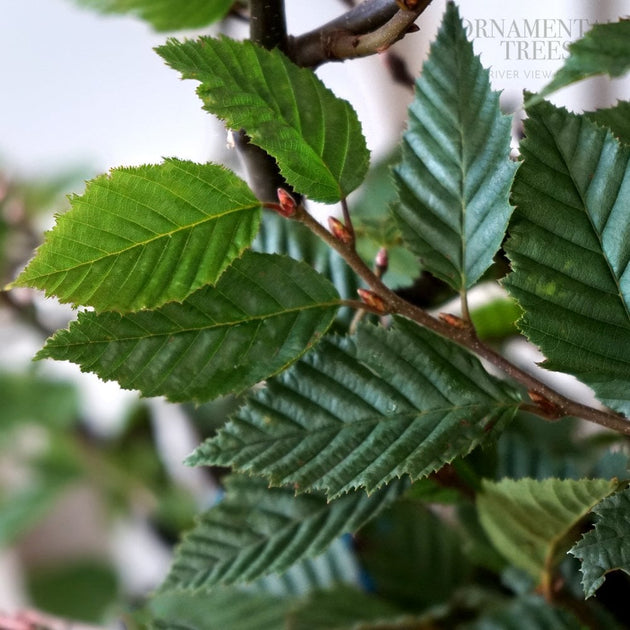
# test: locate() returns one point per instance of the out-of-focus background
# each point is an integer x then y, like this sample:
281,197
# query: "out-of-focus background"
88,513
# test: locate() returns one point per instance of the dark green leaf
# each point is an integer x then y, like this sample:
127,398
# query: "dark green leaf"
605,49
315,136
342,608
532,522
221,609
263,314
167,15
348,416
605,547
531,612
570,245
144,236
258,530
616,118
337,565
455,175
279,236
413,557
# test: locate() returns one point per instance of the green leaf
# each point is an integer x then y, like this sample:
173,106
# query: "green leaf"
257,530
279,236
337,565
263,314
570,245
347,415
221,609
532,522
455,175
413,557
605,49
31,398
315,136
166,15
616,118
530,612
605,547
86,589
342,608
143,236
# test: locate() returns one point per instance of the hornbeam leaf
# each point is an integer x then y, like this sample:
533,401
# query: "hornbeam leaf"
315,136
167,15
257,530
570,247
360,412
265,312
616,118
605,547
455,174
526,612
605,49
143,236
221,609
531,522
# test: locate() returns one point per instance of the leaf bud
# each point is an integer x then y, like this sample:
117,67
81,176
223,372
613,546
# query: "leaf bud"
381,261
288,205
339,230
454,321
371,299
549,408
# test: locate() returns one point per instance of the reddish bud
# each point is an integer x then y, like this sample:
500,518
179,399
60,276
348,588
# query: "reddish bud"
408,5
453,320
339,230
381,261
287,203
371,299
550,409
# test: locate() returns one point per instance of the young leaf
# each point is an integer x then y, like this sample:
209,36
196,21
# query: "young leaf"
263,314
570,245
605,547
143,236
531,522
605,49
315,136
360,412
258,530
167,15
455,175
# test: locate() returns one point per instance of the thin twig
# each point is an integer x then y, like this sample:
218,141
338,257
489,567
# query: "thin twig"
371,27
466,337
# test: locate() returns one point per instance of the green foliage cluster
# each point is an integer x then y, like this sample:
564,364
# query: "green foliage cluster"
372,432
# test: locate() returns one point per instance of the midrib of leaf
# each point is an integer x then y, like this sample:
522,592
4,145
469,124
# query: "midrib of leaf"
234,322
137,244
585,207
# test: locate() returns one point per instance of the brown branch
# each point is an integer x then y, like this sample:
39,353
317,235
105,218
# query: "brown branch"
466,337
371,27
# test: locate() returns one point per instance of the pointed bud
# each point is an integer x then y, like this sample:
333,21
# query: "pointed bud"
372,300
453,321
381,261
287,203
339,230
549,408
408,5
